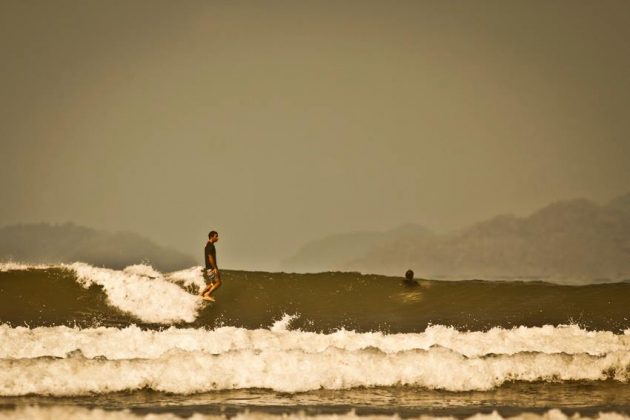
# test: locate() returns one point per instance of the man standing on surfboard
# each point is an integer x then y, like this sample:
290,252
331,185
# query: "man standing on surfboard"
211,272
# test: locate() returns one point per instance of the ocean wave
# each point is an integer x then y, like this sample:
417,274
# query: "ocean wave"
142,291
63,361
135,342
138,290
17,266
183,372
84,295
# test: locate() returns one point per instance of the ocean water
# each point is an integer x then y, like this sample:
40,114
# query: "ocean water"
79,341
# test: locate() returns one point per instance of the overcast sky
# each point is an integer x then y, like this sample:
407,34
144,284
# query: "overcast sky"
278,122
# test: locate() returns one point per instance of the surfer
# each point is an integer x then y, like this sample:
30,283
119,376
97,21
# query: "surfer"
409,281
211,272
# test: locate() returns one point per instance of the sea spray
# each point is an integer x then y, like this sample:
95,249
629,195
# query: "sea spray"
141,291
17,266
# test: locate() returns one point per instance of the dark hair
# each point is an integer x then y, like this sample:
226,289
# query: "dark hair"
409,275
212,233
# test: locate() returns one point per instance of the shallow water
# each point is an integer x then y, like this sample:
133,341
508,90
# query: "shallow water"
514,399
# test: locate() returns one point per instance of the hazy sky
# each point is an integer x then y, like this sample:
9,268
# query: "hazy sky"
277,122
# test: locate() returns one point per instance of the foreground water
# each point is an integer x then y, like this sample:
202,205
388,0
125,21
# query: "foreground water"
77,340
608,400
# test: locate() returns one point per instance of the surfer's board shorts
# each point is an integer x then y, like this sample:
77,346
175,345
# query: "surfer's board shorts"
209,275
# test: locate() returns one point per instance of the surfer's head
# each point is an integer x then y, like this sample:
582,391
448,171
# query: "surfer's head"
409,275
213,236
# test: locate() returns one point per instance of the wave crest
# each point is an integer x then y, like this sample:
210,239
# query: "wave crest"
70,361
141,291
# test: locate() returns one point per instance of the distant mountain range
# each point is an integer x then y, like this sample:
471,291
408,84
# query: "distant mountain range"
576,240
334,252
66,243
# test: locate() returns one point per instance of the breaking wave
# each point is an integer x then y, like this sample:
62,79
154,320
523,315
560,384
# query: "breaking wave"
82,295
73,330
61,361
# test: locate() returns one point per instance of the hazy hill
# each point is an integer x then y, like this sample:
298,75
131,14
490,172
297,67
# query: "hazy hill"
334,252
576,240
44,243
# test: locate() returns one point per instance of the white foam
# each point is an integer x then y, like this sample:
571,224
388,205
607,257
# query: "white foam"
142,270
16,266
141,291
283,323
186,372
70,361
190,278
134,342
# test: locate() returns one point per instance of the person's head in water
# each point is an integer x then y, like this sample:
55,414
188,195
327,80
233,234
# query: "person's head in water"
409,281
213,236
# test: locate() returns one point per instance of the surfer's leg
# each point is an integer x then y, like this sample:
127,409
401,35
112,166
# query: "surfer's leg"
206,290
215,285
209,283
